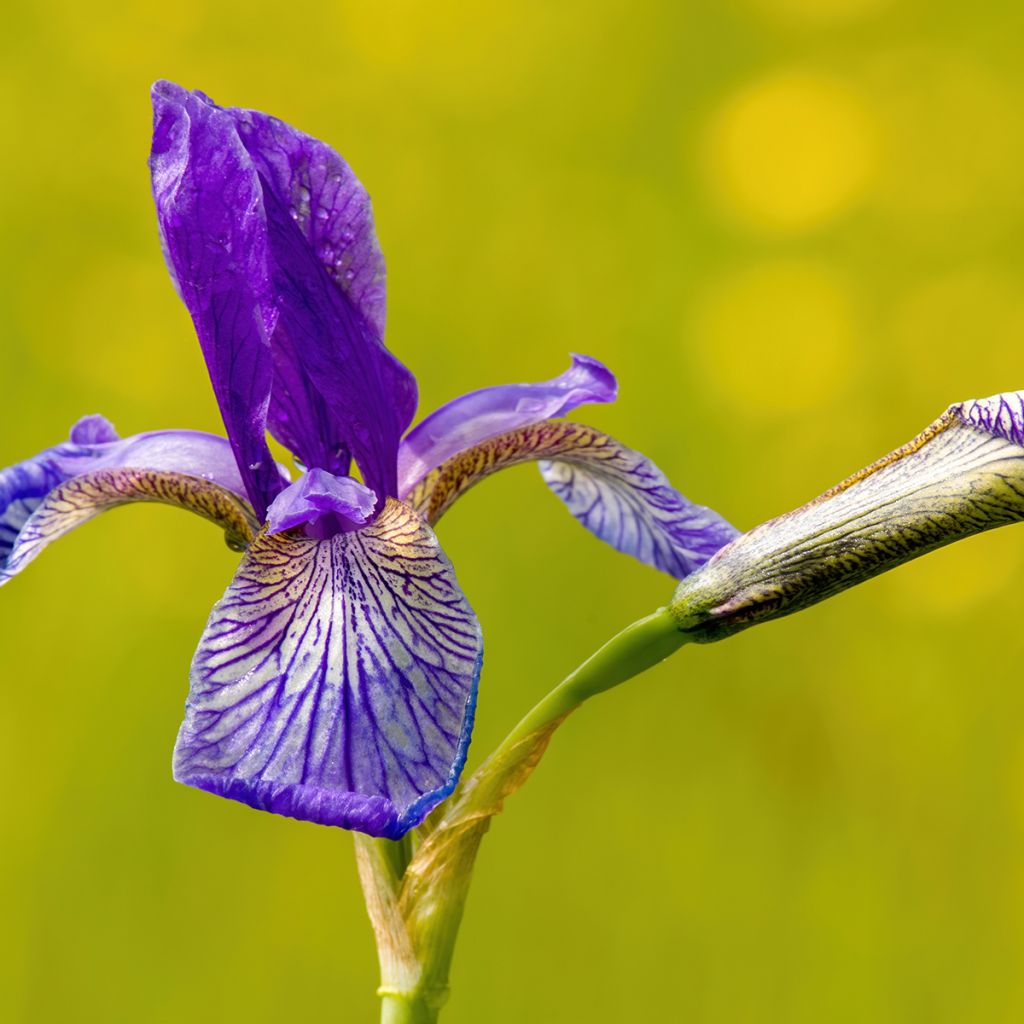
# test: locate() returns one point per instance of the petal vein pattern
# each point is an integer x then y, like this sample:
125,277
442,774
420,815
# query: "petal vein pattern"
336,680
84,497
615,492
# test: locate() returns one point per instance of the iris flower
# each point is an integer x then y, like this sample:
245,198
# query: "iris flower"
336,680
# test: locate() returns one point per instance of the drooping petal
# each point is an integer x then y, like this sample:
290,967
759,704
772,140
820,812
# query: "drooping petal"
43,497
337,389
615,492
317,497
960,476
213,228
481,415
336,679
84,497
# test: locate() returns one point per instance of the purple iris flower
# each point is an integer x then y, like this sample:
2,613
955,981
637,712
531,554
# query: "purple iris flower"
336,679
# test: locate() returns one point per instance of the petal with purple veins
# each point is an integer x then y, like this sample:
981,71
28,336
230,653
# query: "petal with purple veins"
481,415
615,492
40,499
336,679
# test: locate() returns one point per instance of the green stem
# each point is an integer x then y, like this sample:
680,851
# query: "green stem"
637,648
410,1009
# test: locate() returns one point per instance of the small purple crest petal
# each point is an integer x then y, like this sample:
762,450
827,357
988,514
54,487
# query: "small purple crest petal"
335,503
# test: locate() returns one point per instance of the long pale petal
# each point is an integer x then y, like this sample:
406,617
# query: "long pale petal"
962,475
336,679
615,492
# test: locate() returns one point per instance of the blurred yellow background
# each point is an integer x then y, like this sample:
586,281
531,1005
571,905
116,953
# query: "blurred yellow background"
793,228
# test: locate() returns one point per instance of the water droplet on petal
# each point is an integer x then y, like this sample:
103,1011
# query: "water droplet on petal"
350,274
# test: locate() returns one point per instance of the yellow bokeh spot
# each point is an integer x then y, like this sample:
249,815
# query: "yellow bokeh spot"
777,338
790,152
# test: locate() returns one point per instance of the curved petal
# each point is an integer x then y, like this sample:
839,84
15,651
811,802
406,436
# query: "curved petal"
615,492
329,504
35,510
336,679
481,415
337,389
213,228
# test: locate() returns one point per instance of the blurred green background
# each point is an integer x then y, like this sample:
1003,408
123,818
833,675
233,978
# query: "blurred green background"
793,228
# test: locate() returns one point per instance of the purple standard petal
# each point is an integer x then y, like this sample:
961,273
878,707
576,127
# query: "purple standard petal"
615,492
38,502
336,679
329,504
213,228
481,415
337,390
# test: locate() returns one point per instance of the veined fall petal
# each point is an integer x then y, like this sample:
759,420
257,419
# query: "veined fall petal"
480,415
615,492
962,475
44,497
336,680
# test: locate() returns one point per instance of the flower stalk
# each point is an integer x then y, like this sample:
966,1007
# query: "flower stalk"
416,905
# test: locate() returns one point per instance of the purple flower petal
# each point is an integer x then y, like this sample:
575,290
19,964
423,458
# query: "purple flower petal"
213,228
337,389
336,679
615,492
34,510
319,499
480,415
260,218
331,210
1002,415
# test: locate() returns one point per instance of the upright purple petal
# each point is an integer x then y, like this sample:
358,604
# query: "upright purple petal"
336,389
213,227
37,505
480,415
615,492
336,679
328,504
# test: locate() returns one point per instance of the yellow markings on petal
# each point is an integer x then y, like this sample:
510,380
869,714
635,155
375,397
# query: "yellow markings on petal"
790,152
777,338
